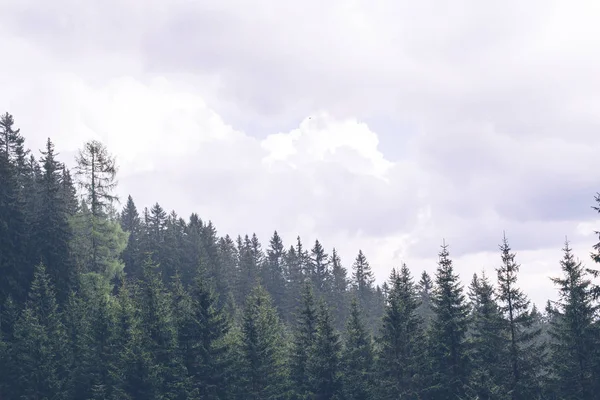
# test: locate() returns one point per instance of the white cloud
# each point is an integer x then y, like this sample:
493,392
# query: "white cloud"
501,98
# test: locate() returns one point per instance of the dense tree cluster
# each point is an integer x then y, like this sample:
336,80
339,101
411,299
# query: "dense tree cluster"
101,304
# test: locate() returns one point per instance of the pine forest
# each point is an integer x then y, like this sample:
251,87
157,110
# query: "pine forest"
101,298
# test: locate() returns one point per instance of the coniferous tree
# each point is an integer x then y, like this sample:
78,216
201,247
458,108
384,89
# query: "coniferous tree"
358,358
318,268
39,353
400,363
160,335
338,295
96,170
202,331
362,282
130,223
324,363
574,332
304,340
425,289
294,267
273,273
447,335
100,239
262,360
14,277
487,342
523,361
52,230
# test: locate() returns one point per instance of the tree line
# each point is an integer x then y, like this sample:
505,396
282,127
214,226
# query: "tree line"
102,303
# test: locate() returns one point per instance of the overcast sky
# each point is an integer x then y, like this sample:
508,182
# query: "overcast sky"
385,125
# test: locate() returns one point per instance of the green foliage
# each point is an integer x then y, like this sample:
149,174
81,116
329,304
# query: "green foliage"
95,305
525,353
574,332
447,335
401,348
324,364
262,357
358,358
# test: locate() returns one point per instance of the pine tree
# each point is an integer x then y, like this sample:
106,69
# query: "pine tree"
202,331
39,353
273,273
400,362
358,358
68,193
318,268
130,223
249,257
14,279
487,342
574,333
425,289
338,295
262,363
524,352
304,340
362,281
160,335
447,336
52,230
324,363
294,266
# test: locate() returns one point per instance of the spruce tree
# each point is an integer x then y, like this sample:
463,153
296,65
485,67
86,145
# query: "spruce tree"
524,352
262,360
202,331
318,268
487,342
14,277
39,353
304,340
52,230
159,331
425,289
574,333
400,362
130,223
358,358
338,295
272,273
447,335
324,363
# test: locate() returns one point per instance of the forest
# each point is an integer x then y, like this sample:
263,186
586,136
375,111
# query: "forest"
100,299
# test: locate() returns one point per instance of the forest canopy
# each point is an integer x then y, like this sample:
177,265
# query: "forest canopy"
102,300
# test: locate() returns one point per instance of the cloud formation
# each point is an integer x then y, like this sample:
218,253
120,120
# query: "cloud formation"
384,126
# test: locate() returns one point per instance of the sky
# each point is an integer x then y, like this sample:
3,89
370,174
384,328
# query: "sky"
387,126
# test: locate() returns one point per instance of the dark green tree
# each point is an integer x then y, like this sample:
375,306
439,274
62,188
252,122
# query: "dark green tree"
574,333
39,352
524,352
425,289
318,268
324,364
487,342
262,353
273,271
447,335
52,232
358,358
401,348
305,333
202,331
130,223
